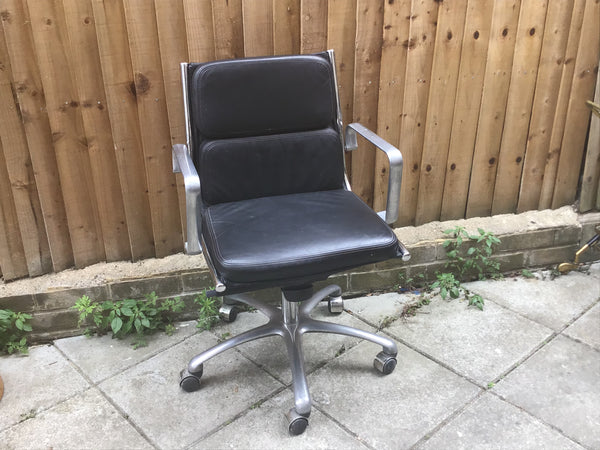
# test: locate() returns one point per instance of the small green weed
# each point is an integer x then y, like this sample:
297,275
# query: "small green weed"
527,273
208,311
476,260
128,317
13,329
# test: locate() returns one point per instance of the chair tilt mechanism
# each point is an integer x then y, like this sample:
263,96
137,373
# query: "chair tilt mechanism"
268,200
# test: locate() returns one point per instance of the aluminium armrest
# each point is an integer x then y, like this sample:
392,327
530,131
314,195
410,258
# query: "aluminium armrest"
390,215
182,163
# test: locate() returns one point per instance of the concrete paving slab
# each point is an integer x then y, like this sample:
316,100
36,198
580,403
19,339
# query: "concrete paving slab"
149,393
36,382
377,308
559,384
102,357
392,411
271,354
481,345
491,423
266,427
587,328
553,303
86,421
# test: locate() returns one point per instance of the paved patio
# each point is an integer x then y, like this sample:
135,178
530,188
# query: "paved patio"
524,373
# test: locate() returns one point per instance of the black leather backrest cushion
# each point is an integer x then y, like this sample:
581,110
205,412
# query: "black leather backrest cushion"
261,96
259,166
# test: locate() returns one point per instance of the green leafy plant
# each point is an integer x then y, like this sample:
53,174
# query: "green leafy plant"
449,286
13,329
476,259
128,317
208,311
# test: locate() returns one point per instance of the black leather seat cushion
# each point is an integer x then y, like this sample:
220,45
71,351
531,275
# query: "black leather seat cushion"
294,236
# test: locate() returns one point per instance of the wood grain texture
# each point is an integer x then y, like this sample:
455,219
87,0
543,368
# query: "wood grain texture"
83,52
590,183
394,50
64,112
258,27
578,113
313,26
228,28
556,33
493,107
286,27
562,103
421,42
467,104
154,126
440,110
12,255
31,103
369,20
170,22
520,102
119,87
20,173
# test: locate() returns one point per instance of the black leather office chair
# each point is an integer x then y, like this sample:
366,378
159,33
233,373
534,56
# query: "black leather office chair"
269,203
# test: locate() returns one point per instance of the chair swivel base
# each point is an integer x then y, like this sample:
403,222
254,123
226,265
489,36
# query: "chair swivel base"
291,322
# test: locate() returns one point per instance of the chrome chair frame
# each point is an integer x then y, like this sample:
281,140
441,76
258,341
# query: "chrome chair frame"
292,320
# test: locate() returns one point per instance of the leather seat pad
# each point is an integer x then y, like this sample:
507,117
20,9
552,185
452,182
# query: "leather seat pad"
315,233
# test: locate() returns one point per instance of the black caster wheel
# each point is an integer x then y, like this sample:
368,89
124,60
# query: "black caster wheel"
190,382
297,423
385,363
228,313
335,305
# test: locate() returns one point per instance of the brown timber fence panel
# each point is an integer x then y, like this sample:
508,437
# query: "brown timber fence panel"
485,98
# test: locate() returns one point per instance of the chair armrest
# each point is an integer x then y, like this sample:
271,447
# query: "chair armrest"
182,163
390,215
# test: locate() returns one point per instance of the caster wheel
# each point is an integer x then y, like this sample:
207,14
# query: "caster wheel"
228,313
189,382
297,423
385,363
335,305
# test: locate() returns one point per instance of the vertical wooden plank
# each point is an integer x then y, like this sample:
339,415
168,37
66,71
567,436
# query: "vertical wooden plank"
313,26
228,28
51,47
286,27
519,105
119,87
440,109
556,32
170,20
493,107
578,113
83,53
466,108
154,126
369,23
591,172
12,254
396,22
258,27
341,35
199,30
20,173
420,44
562,103
29,92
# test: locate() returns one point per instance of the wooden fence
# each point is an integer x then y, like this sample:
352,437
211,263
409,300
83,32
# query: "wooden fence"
485,98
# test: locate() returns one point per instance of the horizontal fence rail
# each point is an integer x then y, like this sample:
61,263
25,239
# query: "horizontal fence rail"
485,99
